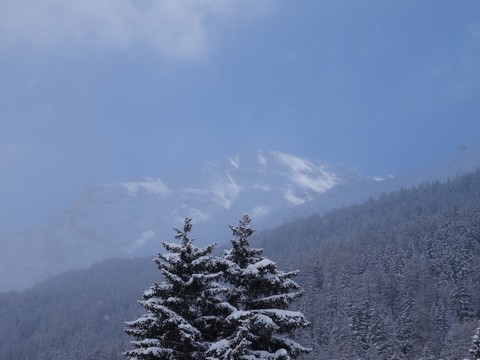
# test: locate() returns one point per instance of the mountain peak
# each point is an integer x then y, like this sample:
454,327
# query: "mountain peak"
131,218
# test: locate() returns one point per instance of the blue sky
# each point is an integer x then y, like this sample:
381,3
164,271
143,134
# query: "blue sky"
94,92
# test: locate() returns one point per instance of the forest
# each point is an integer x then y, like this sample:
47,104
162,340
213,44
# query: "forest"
395,277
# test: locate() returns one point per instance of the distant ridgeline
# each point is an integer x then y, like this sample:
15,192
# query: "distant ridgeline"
375,215
393,278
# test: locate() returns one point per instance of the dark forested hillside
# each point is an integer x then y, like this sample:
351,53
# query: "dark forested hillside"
400,207
393,278
408,292
77,315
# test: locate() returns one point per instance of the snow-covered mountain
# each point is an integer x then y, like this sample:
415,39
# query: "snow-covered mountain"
132,218
465,159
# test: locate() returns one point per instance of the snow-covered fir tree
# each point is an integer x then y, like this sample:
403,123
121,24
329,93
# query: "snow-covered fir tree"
181,311
475,350
259,323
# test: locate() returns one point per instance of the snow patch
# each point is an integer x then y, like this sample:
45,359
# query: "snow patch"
225,193
292,199
254,269
307,174
234,162
281,353
382,178
218,347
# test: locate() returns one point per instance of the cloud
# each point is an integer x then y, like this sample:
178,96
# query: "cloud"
176,28
141,241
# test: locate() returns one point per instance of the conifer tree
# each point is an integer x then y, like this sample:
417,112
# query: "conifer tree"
462,301
181,311
406,323
475,350
259,295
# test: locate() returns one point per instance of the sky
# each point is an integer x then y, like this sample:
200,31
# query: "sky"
101,91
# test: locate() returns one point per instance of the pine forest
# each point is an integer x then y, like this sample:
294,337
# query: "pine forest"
395,277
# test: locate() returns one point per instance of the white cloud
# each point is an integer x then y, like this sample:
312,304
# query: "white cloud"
144,238
176,28
151,186
259,211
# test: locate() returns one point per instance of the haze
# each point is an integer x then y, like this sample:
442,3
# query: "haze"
100,91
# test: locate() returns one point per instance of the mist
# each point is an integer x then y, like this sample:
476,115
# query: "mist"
119,92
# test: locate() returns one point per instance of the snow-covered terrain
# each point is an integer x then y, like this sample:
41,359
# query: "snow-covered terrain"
132,218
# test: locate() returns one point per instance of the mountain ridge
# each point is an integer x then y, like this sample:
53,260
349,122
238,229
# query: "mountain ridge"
365,261
131,218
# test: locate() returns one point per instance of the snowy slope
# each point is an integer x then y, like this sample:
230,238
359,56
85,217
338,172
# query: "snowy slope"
132,218
463,160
